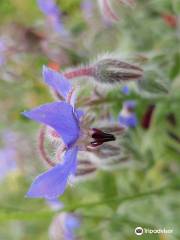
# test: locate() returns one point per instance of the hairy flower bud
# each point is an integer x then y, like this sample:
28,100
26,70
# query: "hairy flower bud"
112,71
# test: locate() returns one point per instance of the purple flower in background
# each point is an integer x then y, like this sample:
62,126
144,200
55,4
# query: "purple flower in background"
125,90
127,117
66,120
3,49
71,223
87,7
48,7
9,138
7,161
7,154
63,226
53,14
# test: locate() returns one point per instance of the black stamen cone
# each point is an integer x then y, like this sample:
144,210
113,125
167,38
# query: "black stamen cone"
100,137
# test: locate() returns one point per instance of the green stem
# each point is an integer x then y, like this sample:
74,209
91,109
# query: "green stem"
6,214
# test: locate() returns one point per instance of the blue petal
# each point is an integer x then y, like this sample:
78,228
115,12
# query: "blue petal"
79,113
128,121
129,104
71,222
57,81
126,90
58,25
52,183
47,6
7,161
61,117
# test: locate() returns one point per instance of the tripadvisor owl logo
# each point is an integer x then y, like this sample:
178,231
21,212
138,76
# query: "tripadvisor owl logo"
138,231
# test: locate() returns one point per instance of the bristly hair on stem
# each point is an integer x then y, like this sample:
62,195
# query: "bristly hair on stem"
107,70
41,147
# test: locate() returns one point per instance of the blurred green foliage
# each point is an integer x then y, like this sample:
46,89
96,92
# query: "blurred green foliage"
144,193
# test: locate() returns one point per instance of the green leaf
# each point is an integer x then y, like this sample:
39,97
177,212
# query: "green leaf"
175,70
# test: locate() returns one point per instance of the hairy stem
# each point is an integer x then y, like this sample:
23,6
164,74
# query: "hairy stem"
79,72
41,147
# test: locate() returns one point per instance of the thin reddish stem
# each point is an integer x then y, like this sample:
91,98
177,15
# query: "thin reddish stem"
41,147
109,12
80,72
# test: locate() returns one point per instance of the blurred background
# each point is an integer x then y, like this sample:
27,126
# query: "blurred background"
141,191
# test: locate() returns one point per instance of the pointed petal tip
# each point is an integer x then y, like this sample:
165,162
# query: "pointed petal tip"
46,68
30,194
28,114
45,71
25,113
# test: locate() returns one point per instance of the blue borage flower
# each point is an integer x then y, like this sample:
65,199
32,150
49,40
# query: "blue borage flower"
87,7
72,222
3,50
65,224
7,161
127,117
66,120
125,90
52,11
8,154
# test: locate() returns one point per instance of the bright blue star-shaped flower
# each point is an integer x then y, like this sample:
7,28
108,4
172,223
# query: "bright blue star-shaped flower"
64,118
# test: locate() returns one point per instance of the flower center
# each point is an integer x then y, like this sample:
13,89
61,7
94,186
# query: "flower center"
100,137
